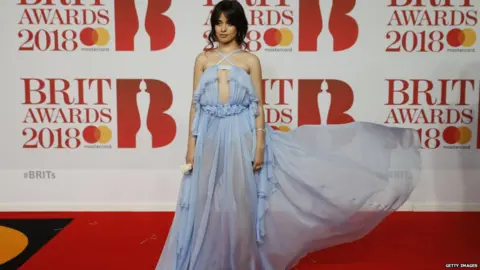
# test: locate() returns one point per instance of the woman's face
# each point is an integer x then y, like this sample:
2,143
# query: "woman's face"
225,32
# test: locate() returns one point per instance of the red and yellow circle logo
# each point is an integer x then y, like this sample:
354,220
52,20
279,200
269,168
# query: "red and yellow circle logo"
281,128
93,134
460,135
95,36
275,37
457,37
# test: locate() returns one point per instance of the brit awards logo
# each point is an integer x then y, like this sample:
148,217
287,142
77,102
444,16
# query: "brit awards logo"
62,113
443,110
86,25
432,26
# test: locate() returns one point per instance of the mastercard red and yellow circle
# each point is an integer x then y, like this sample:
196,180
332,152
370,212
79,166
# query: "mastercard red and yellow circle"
275,37
281,128
93,134
94,36
457,37
460,135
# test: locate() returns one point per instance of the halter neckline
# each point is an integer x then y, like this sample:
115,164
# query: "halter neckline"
225,57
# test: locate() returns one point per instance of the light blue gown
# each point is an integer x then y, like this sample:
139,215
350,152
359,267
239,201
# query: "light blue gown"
320,186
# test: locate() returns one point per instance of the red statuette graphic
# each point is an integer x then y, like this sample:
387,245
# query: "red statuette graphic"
161,126
308,108
341,25
159,27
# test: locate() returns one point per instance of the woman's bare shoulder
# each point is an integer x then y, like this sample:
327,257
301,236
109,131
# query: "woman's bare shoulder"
201,58
252,59
204,58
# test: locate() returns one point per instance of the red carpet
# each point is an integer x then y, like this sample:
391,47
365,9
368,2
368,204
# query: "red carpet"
133,241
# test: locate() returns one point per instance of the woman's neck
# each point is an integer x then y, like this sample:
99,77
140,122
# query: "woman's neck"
227,48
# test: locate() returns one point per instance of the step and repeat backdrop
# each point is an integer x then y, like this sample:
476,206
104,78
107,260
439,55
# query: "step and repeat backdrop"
96,93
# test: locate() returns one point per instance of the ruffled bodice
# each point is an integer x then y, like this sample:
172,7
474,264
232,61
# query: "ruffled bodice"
242,96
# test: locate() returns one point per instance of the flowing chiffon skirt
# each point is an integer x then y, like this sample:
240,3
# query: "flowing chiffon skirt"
320,186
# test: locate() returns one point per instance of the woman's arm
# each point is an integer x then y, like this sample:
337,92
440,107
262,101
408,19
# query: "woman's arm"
256,74
200,61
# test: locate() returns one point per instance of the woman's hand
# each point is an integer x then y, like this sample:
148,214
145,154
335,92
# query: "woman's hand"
190,155
258,162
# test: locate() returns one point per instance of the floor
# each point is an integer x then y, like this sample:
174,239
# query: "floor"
133,241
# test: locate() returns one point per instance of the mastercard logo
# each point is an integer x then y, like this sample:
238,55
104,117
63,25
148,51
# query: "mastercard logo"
460,135
457,37
93,134
281,128
278,37
94,36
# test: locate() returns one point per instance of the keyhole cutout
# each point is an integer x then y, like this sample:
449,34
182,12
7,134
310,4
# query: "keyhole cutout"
223,75
223,84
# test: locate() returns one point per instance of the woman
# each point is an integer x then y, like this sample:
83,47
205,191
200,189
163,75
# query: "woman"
257,198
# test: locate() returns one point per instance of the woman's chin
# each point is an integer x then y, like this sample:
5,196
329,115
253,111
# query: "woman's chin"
225,40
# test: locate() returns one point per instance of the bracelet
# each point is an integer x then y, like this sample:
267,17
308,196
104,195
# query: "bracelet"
261,129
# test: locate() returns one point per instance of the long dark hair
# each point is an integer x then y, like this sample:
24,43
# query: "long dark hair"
235,15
